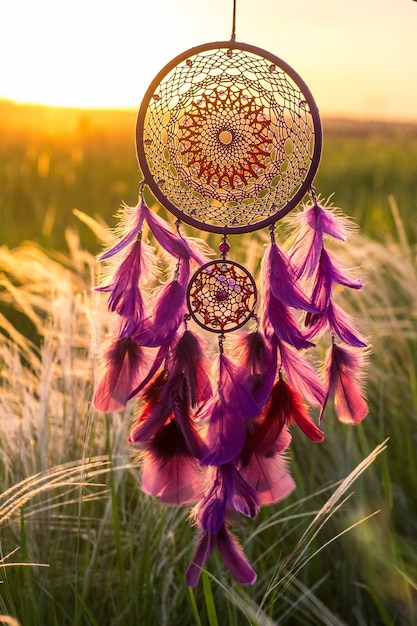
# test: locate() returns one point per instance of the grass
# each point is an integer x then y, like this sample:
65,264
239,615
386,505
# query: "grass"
80,544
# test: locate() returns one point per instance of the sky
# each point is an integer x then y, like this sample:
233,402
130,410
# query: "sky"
359,57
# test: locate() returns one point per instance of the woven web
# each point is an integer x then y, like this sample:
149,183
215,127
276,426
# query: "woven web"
221,296
228,138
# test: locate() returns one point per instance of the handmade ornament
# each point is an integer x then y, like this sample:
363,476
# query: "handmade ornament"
228,141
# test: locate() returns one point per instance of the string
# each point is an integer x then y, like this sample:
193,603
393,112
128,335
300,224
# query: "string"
233,37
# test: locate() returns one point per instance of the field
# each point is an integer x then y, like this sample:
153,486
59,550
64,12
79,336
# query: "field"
80,544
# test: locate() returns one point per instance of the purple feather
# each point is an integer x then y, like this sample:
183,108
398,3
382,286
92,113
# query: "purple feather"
205,546
281,278
162,324
175,245
151,420
134,217
125,297
316,221
334,274
279,319
326,220
339,323
245,498
306,251
172,400
228,491
234,558
225,413
216,504
343,325
225,434
258,358
231,552
177,391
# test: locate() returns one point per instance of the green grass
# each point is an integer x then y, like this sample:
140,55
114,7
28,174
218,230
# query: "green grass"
80,544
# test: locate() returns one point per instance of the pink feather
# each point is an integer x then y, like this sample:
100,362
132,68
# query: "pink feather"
168,470
343,371
270,477
160,357
301,374
125,366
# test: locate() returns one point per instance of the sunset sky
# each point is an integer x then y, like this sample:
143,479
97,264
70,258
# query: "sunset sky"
359,57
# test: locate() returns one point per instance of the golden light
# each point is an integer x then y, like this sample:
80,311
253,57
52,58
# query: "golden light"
358,58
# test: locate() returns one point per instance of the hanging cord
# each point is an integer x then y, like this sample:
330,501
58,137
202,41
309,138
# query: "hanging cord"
233,37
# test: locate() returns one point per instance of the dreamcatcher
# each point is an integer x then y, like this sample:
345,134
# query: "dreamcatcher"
228,141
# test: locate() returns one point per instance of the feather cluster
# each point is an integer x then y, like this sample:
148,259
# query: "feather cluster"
212,434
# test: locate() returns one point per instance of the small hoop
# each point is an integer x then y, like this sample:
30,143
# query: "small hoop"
221,296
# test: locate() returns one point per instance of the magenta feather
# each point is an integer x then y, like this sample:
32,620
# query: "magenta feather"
125,366
343,373
171,401
301,374
168,470
285,406
189,358
270,477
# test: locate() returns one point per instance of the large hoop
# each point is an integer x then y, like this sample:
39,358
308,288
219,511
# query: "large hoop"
228,137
